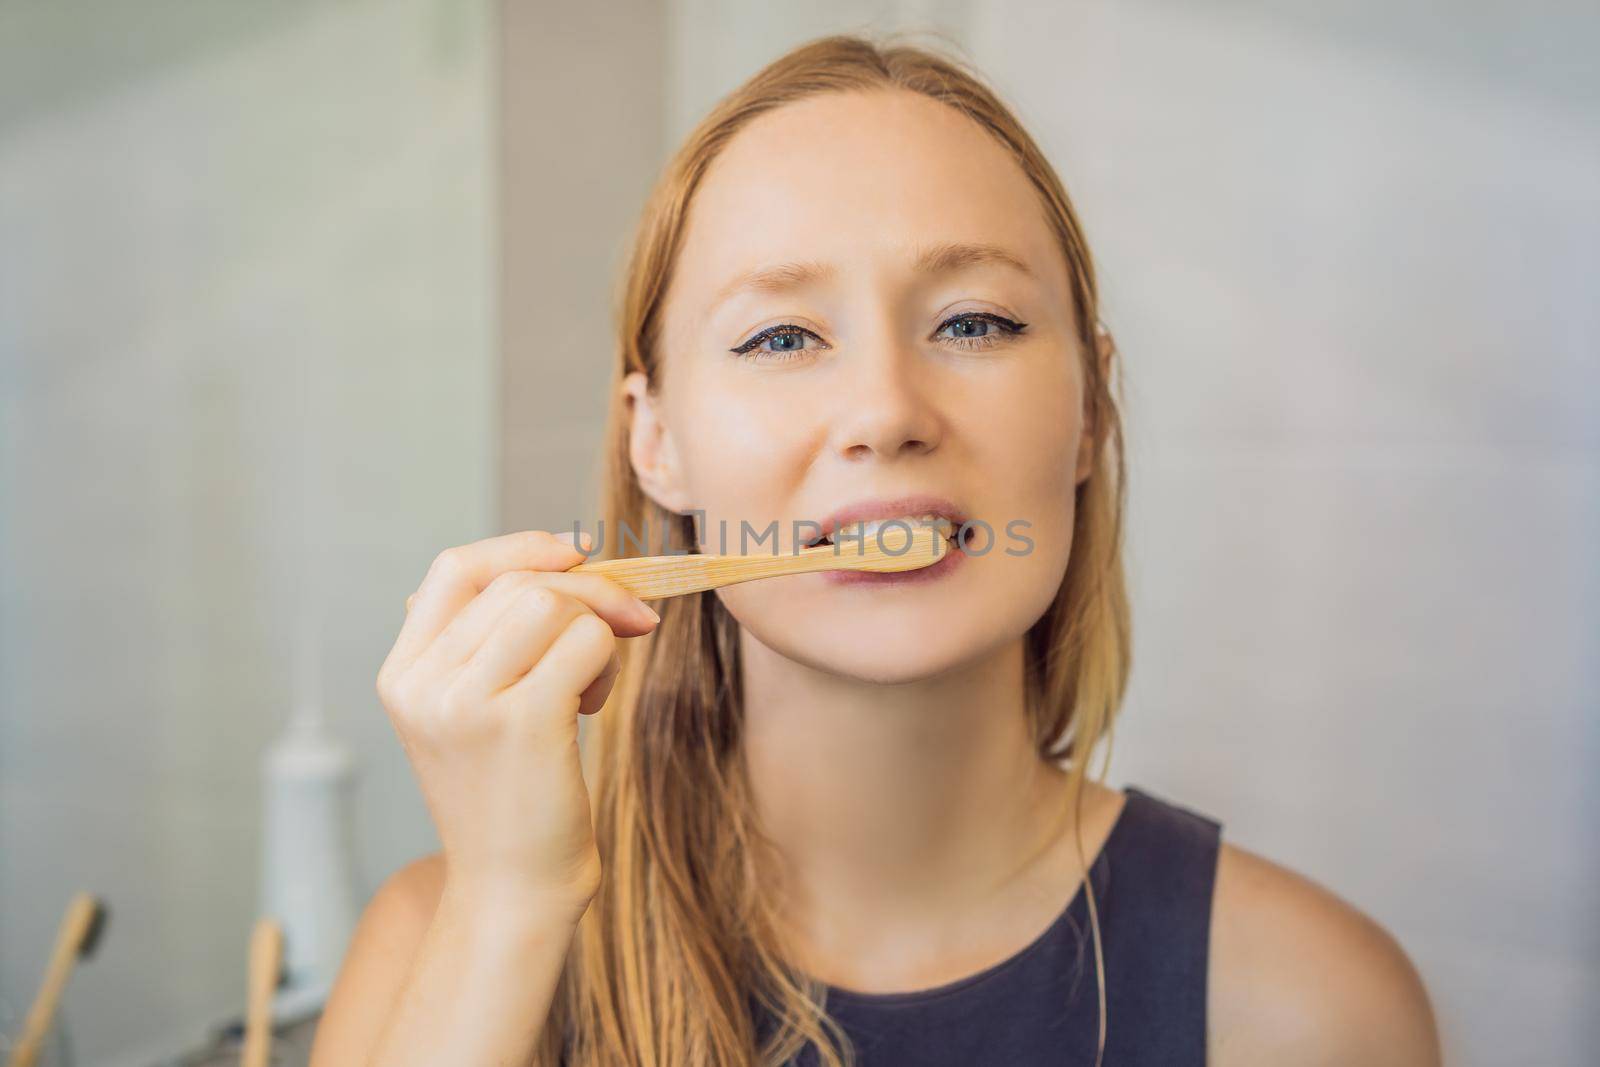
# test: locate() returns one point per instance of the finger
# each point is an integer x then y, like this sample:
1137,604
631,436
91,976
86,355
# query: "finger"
594,697
579,537
459,574
575,660
627,615
472,625
523,634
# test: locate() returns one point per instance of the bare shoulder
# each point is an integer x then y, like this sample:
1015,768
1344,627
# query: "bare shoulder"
400,911
376,961
1298,975
412,893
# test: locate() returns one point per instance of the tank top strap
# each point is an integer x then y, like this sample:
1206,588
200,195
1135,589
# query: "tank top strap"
1157,916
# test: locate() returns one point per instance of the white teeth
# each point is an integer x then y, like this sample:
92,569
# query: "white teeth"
916,523
863,530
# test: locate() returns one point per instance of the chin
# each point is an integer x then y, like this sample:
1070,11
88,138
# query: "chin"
882,641
870,655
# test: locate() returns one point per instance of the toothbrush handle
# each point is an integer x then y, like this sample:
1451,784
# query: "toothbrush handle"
658,577
75,926
266,956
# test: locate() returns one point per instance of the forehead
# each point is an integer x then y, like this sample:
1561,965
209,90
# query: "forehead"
860,181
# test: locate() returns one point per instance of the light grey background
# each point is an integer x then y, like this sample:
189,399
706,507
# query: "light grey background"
228,233
1348,252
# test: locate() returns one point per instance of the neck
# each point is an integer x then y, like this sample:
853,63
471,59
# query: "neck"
905,803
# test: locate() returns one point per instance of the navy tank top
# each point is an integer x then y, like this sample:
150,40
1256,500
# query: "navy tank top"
1153,883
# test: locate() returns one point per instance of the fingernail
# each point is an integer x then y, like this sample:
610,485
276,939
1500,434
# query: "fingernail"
648,610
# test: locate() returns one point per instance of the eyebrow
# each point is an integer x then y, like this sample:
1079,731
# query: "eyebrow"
778,279
943,258
953,256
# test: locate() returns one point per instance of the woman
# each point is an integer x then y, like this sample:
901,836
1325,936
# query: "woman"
831,821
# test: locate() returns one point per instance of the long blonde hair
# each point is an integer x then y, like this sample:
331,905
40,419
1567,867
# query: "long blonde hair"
677,961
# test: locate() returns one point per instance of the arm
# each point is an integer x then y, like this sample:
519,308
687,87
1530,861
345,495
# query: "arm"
1299,976
458,956
435,976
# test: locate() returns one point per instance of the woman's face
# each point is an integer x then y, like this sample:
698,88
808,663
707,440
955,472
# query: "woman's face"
898,247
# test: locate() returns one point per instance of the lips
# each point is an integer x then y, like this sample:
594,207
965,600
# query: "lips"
913,509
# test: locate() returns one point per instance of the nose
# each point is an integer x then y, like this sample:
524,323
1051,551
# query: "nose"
886,407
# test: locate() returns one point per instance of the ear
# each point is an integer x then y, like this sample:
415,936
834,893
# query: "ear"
650,446
1105,348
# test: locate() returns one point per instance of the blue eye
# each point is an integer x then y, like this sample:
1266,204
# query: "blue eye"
979,329
971,330
787,341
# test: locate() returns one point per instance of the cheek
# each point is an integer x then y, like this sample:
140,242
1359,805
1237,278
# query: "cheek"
1027,436
740,462
1030,449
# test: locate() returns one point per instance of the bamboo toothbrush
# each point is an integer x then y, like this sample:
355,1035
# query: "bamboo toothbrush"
80,931
884,551
266,967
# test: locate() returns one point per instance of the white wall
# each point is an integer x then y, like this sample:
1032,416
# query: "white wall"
198,203
1346,250
1349,254
575,179
1351,263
